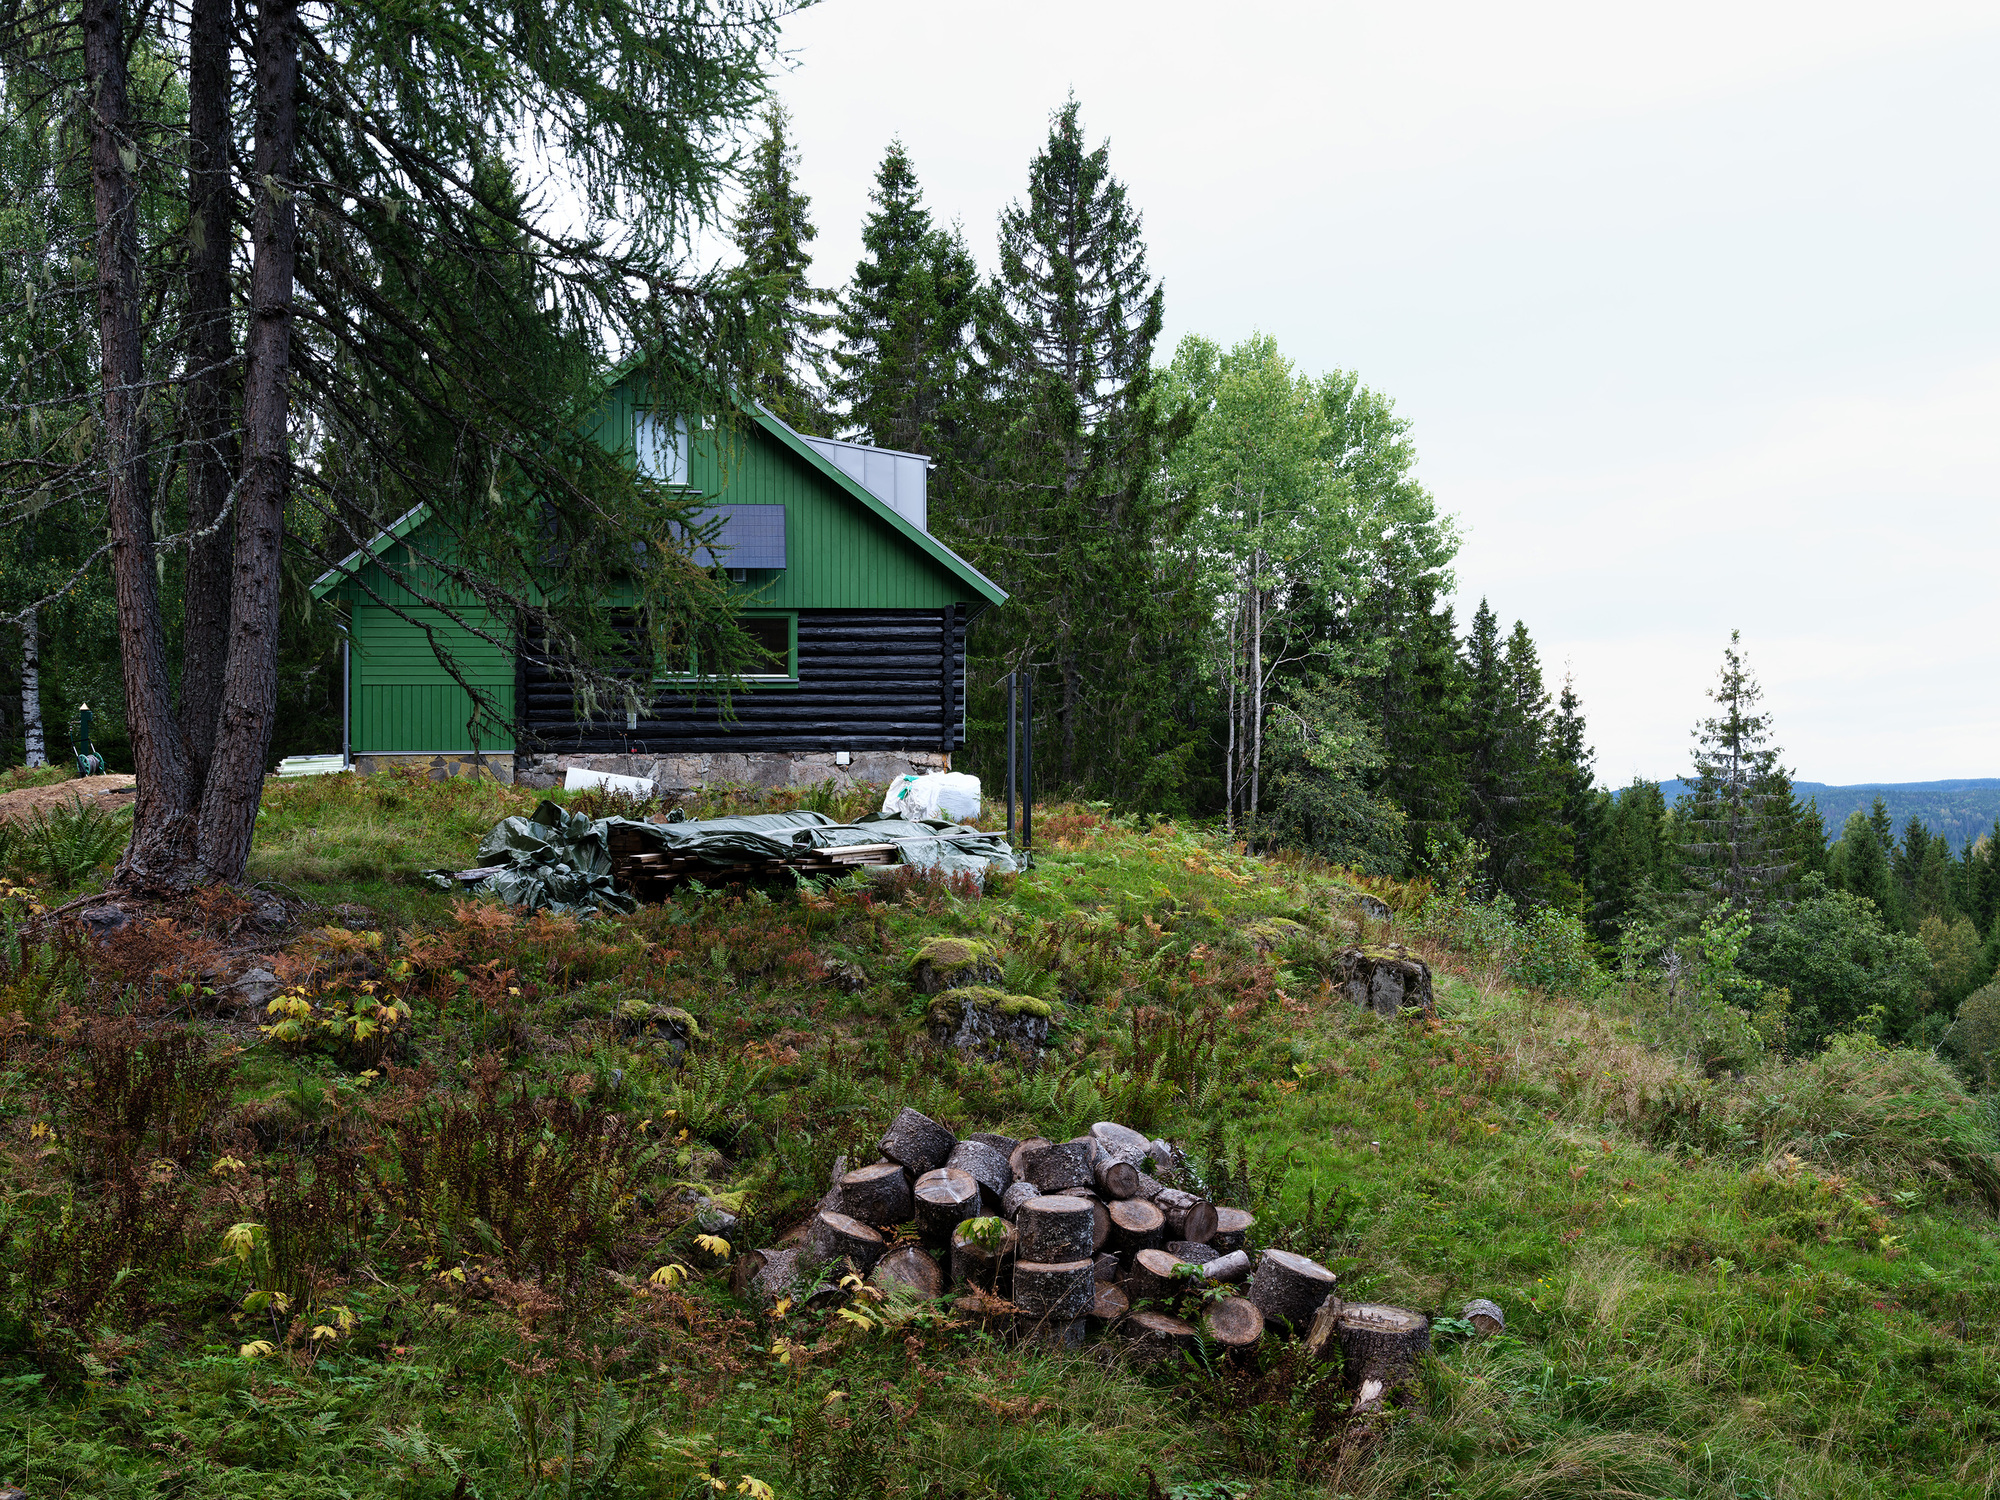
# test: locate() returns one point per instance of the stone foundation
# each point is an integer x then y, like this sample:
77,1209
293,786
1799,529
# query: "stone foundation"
687,773
439,767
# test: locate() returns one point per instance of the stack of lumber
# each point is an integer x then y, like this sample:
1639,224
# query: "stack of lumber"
1106,1232
639,866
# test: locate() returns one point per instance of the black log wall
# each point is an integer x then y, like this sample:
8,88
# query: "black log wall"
868,680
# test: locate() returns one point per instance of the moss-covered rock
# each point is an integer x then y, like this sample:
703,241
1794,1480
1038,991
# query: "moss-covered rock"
949,963
1273,933
668,1025
1386,978
987,1022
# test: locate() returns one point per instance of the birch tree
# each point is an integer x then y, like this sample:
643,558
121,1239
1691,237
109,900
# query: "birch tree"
1279,536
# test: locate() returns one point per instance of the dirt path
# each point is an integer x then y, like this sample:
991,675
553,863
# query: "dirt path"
107,792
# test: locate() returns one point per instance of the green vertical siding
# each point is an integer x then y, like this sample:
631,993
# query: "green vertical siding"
404,701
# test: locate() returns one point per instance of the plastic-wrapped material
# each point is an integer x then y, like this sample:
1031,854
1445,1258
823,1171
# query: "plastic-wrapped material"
950,795
556,859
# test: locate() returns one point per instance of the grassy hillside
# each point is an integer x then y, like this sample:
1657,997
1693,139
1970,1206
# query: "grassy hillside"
426,1247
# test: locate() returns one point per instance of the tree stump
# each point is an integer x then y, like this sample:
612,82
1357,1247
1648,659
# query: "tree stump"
1057,1333
1485,1316
1154,1333
1188,1217
1198,1251
979,1259
838,1237
1136,1225
1322,1338
1288,1288
1115,1178
1232,1268
1004,1144
1100,1222
1058,1292
878,1194
1121,1144
917,1141
1152,1277
912,1268
1234,1323
1054,1229
1025,1152
1380,1343
985,1164
1109,1304
943,1199
1105,1268
1386,979
1232,1229
1065,1165
1015,1196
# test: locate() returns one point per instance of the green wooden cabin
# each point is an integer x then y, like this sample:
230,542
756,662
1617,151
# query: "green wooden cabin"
862,615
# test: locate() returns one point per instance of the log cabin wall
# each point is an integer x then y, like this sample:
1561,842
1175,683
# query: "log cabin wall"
881,679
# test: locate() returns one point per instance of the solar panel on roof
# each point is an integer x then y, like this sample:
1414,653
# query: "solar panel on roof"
752,536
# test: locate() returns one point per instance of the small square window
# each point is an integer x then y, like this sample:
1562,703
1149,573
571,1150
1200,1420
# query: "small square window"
772,637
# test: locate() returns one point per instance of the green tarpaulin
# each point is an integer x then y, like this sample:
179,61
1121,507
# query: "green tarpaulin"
562,861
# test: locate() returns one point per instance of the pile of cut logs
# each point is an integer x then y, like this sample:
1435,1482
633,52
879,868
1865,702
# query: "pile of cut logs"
1050,1239
645,870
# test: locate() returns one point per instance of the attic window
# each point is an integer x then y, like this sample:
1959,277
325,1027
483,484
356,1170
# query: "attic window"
660,445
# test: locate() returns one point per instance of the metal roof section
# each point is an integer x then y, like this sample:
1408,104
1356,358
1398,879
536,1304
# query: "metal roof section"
899,480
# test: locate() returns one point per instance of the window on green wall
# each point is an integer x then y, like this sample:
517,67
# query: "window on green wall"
775,639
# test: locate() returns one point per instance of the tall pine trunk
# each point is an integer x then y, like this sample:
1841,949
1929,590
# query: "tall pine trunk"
250,682
34,745
211,451
162,822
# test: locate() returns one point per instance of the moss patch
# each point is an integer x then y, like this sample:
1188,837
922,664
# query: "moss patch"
950,1007
953,953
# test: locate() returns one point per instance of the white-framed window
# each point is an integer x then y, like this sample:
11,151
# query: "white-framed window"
660,445
774,638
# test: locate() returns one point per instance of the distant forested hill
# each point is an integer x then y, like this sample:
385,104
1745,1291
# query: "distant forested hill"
1959,810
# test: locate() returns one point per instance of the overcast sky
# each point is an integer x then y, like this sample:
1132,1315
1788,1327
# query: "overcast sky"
1694,308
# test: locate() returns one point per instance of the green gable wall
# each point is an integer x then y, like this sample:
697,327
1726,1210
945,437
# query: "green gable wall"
841,555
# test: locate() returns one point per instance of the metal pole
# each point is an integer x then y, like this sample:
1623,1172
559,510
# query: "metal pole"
1028,770
346,702
1010,753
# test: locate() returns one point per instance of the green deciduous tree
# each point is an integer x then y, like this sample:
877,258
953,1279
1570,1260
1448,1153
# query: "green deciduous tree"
1843,965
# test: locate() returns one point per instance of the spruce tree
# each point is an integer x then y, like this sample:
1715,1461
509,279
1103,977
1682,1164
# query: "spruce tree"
773,228
1062,504
1864,864
1513,804
1579,805
905,321
1738,811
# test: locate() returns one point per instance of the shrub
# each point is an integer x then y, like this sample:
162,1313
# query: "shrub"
1841,964
66,843
1552,951
1884,1114
1974,1039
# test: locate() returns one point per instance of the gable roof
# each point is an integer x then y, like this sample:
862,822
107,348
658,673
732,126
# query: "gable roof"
787,437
